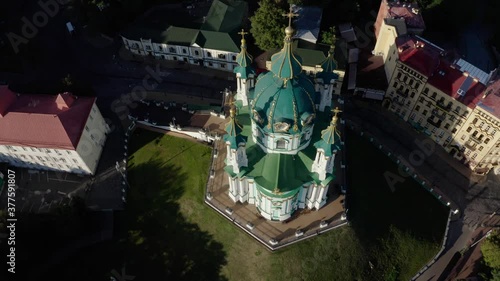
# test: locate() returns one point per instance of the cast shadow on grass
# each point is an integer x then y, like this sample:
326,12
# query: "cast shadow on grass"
159,242
152,240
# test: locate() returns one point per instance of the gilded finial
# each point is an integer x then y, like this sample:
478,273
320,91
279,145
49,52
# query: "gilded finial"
243,33
335,112
289,30
276,190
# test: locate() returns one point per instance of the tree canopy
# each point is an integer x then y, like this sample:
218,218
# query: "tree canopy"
329,36
491,251
268,24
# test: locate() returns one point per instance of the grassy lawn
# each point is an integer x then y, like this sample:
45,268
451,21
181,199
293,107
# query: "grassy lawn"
167,231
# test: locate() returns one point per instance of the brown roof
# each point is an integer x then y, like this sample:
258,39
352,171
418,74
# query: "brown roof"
44,121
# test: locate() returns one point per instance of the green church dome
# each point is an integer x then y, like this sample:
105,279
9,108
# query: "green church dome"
284,98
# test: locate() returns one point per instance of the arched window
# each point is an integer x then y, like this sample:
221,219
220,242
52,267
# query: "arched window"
281,144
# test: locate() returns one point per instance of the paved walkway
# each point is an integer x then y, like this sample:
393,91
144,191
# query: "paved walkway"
304,219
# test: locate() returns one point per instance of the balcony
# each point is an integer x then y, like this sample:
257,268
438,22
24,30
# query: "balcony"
401,93
475,139
436,124
438,114
444,107
471,145
397,101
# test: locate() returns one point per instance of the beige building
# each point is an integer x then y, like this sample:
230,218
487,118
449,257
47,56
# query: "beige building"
58,133
395,19
447,99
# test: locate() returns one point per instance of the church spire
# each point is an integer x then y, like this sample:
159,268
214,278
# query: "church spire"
329,65
233,130
285,64
330,137
244,59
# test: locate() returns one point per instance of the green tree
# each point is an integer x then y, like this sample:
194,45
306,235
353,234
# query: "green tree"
329,36
268,24
491,250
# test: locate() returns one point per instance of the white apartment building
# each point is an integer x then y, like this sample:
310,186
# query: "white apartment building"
59,133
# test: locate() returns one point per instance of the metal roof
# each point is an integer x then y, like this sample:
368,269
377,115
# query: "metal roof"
473,71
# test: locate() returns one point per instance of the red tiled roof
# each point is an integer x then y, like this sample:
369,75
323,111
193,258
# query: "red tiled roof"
45,121
451,80
395,10
417,54
7,97
491,102
412,20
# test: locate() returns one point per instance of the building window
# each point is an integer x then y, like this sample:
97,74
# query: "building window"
480,148
463,137
469,129
221,56
196,53
417,85
222,65
424,112
210,64
91,117
398,76
174,57
474,156
86,128
172,50
486,141
395,85
475,121
184,51
76,161
447,126
433,95
234,58
185,59
417,108
412,94
281,144
209,54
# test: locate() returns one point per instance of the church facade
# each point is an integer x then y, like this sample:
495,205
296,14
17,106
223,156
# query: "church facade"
281,137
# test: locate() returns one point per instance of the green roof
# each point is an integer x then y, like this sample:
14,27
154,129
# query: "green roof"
217,41
181,36
175,26
225,15
280,172
330,139
329,65
286,172
281,100
233,133
285,64
244,60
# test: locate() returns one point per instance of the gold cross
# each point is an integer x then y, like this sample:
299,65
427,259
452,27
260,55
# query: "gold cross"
242,33
290,15
336,111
